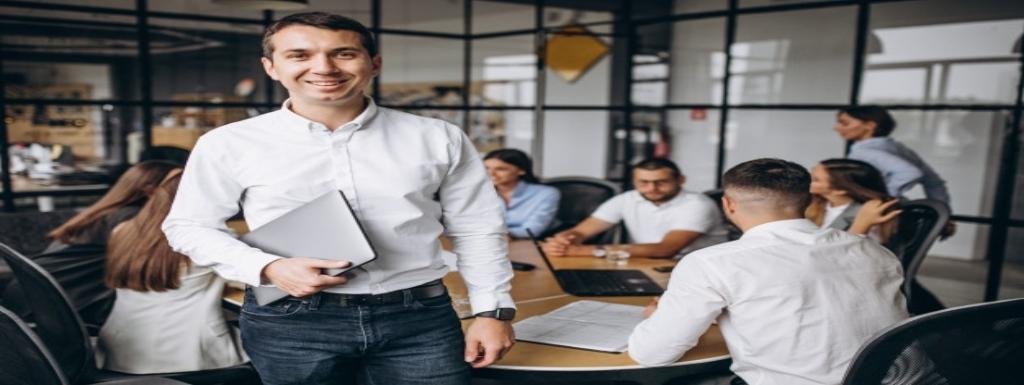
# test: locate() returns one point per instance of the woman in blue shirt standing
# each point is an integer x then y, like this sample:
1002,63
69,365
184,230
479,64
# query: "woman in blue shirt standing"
528,204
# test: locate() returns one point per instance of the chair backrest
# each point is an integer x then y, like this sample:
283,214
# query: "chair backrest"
580,197
55,319
973,344
79,270
919,227
26,231
24,360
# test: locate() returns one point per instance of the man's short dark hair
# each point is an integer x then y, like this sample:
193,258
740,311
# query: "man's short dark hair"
884,123
787,183
319,20
657,164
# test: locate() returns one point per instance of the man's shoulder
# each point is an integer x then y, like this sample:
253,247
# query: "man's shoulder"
401,120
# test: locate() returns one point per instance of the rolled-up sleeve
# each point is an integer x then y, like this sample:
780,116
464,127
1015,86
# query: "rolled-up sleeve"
685,312
207,196
473,218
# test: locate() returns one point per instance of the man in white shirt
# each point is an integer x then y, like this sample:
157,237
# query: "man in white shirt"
663,220
407,178
794,302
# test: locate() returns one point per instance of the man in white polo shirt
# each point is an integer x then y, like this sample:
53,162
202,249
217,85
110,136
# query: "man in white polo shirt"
663,220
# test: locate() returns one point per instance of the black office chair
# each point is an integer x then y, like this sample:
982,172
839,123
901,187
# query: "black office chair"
919,227
64,334
79,271
580,197
24,359
26,231
975,344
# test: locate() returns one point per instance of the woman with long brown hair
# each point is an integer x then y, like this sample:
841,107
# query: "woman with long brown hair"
850,195
76,256
167,316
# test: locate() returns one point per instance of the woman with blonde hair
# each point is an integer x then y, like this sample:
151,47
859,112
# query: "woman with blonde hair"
167,316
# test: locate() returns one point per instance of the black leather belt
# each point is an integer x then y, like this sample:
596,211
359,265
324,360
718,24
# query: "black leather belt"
427,290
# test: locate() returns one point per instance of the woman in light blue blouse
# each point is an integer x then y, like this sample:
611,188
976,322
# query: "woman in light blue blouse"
528,204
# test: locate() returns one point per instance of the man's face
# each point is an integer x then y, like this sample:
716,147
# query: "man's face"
321,67
658,185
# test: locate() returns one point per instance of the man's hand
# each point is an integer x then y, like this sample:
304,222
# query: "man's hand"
300,277
558,245
651,307
487,340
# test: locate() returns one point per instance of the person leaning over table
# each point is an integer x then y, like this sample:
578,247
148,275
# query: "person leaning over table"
794,302
529,205
663,220
407,178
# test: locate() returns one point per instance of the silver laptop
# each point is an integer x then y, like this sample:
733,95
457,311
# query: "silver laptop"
324,228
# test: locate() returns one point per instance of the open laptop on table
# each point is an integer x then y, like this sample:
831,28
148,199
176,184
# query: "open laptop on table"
600,283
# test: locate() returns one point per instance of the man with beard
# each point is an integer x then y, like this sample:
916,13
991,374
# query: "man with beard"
663,220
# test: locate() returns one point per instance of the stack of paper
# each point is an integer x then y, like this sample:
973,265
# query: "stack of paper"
589,325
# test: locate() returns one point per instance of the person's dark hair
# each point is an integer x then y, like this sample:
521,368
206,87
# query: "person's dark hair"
784,182
657,164
516,158
884,123
319,20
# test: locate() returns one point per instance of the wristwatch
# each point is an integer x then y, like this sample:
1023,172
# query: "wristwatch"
599,251
501,313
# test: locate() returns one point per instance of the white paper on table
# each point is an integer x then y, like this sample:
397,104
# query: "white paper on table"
590,325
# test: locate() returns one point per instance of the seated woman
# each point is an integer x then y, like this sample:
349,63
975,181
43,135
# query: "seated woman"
528,204
850,195
76,256
167,316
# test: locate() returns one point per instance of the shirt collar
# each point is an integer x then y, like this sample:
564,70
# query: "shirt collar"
764,229
296,120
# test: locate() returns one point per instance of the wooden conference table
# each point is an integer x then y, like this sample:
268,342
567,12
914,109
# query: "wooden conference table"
536,292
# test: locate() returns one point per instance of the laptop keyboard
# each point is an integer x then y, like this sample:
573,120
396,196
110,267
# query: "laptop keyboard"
597,281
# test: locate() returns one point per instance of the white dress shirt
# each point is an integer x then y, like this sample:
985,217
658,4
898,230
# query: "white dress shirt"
177,330
408,179
648,223
794,303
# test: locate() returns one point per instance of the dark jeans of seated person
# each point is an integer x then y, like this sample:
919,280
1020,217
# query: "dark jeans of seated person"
311,342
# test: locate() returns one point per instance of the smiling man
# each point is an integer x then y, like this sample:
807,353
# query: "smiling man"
664,220
408,178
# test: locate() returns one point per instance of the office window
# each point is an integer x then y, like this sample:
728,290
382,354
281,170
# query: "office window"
421,71
496,16
952,271
558,16
49,143
964,147
762,3
504,71
207,62
575,143
206,8
977,61
694,145
779,60
695,59
423,15
493,129
694,6
1012,281
804,137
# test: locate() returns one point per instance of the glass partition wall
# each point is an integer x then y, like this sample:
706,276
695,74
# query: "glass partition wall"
585,87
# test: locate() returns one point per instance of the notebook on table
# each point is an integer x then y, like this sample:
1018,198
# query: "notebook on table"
587,325
600,283
324,228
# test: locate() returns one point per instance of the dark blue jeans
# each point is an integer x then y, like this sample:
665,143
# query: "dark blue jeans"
312,341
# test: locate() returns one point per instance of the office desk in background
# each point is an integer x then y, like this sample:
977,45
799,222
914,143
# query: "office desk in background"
536,292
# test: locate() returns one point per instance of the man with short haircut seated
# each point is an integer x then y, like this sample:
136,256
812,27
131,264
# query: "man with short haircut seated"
794,302
663,220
